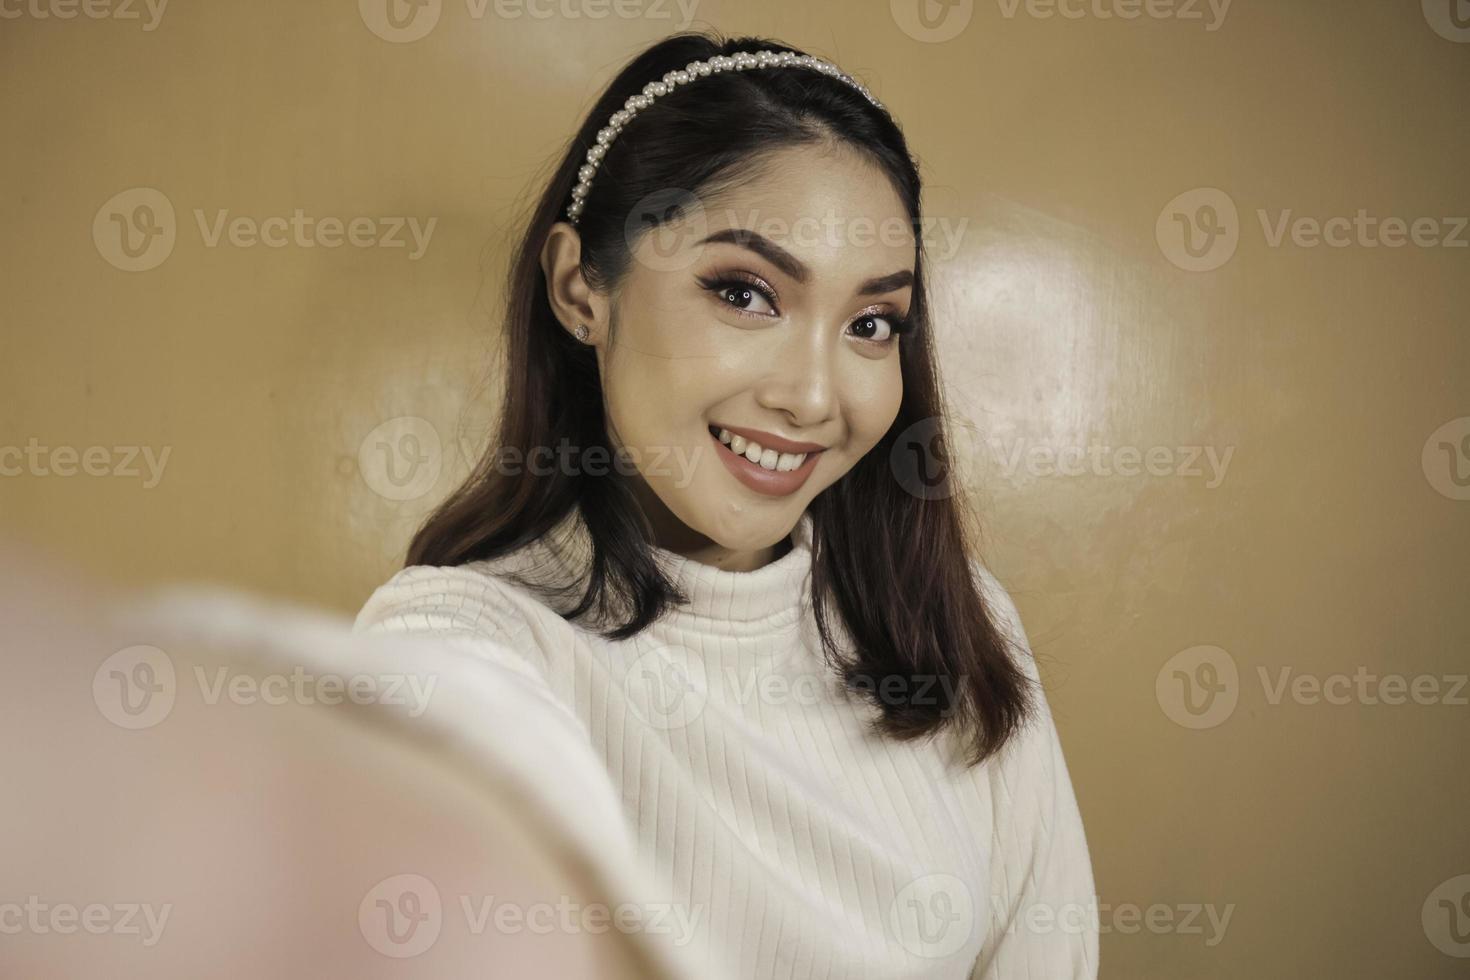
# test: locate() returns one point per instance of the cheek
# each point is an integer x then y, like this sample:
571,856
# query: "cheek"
643,403
876,403
654,376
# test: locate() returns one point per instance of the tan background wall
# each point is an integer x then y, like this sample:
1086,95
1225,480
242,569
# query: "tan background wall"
1332,539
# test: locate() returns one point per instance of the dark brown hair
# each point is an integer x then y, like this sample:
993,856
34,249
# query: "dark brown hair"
889,557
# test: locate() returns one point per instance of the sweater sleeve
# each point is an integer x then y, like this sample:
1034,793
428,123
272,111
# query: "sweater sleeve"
1042,909
466,611
517,719
500,699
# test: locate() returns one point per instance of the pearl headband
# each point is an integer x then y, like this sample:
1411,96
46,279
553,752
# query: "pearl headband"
739,61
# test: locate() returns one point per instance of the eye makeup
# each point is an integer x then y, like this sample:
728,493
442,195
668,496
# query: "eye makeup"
737,286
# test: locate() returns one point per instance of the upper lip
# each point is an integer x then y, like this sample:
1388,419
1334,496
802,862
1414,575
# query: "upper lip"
767,440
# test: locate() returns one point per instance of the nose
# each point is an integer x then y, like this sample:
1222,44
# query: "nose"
802,380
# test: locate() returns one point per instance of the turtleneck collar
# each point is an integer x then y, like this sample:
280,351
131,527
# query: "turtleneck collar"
771,591
776,592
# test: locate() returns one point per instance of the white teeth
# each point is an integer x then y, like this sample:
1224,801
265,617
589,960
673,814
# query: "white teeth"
767,459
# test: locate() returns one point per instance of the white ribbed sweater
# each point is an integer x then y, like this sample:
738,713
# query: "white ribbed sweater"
755,793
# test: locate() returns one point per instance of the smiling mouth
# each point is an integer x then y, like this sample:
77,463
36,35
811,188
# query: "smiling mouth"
771,460
765,480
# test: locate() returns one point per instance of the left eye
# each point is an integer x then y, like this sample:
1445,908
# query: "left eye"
872,324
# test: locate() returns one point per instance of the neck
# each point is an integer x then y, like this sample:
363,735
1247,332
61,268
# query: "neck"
672,534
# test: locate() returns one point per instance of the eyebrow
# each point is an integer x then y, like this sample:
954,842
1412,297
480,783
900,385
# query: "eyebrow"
794,267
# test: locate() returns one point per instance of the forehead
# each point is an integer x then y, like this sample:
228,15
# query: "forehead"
830,205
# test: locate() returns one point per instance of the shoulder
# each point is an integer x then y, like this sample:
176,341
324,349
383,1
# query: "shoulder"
1007,618
1039,852
1033,755
434,598
463,604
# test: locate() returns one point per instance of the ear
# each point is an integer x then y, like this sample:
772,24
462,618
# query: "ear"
571,299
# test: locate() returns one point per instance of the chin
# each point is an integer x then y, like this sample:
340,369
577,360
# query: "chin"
750,526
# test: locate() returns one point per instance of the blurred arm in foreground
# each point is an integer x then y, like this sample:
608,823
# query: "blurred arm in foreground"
214,786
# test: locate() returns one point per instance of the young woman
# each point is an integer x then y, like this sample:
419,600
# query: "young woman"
710,532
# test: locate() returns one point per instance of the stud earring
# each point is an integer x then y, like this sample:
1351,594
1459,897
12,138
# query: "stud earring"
581,332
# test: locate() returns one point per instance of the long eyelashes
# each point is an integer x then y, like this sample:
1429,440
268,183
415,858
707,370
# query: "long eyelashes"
723,285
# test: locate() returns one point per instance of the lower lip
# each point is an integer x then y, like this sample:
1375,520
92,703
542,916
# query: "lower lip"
772,483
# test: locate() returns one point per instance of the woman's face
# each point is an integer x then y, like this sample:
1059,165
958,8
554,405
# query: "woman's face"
772,308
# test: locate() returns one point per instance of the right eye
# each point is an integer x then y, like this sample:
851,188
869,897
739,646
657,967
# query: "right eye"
743,296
